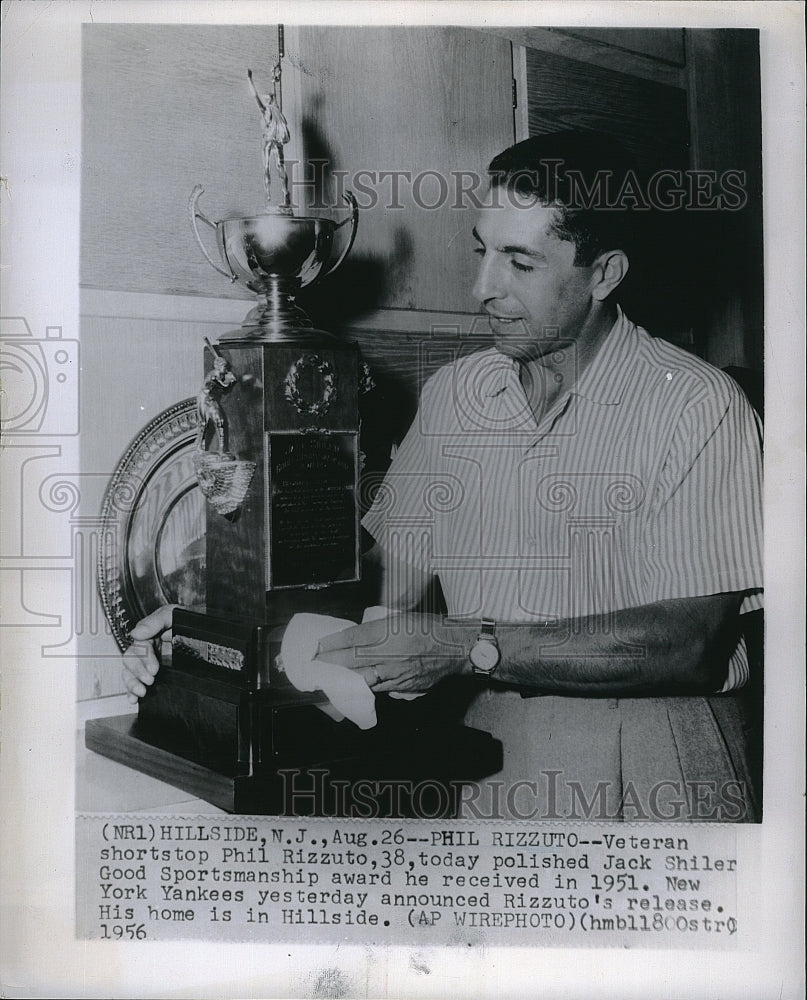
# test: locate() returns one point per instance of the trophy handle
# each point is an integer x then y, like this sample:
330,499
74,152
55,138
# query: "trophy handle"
195,214
354,221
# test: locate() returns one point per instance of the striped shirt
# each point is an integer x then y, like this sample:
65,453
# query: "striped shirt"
640,484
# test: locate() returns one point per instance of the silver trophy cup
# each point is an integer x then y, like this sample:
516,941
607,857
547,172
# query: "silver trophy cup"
275,255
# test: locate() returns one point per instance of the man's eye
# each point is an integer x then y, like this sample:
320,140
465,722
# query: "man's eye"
480,251
521,267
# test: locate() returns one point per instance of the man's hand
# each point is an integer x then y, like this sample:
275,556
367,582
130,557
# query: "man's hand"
404,652
140,662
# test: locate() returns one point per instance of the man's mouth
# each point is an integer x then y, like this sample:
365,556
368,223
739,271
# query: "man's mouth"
496,320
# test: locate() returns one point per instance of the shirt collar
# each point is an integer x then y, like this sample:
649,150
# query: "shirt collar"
609,371
501,371
604,380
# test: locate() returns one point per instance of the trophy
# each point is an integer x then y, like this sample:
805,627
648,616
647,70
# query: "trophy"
277,458
291,408
274,254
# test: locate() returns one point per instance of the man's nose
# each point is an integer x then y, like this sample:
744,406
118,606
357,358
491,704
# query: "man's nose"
488,283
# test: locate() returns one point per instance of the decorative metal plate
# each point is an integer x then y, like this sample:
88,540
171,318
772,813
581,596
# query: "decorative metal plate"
152,548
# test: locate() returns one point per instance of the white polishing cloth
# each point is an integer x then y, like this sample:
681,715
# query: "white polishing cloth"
346,690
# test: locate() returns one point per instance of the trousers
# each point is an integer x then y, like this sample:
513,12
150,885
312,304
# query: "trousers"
675,759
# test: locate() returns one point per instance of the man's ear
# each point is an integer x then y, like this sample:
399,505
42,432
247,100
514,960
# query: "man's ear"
610,269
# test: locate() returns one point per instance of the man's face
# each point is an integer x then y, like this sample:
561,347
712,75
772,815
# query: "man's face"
536,297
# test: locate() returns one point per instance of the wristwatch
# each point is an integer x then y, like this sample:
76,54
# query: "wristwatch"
485,654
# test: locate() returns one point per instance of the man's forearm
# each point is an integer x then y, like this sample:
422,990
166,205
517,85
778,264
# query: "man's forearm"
669,647
672,647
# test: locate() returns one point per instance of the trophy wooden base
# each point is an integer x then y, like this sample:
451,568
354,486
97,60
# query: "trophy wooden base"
223,723
117,738
402,769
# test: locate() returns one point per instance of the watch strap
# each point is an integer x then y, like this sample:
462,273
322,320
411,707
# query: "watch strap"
488,629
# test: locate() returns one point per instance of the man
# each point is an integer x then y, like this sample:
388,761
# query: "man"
589,500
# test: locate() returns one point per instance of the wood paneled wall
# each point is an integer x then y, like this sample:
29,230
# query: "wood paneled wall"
725,114
717,74
166,107
649,118
663,44
647,54
428,101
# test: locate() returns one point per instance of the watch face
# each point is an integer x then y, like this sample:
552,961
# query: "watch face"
484,655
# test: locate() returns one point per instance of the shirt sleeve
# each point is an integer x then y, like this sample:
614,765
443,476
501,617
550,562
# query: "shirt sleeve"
704,532
399,518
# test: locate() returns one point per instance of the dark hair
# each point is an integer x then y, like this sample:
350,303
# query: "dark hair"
582,175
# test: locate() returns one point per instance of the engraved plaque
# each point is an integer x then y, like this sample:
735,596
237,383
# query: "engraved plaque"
313,513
